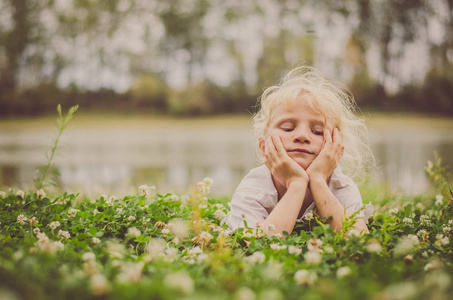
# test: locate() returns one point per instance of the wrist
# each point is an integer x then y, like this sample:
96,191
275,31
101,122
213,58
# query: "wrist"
317,179
297,183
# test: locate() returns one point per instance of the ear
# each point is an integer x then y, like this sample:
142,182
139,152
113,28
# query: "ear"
262,145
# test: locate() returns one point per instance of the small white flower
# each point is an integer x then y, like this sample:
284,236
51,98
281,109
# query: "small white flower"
442,240
202,206
176,241
21,219
256,258
439,200
95,240
21,194
423,234
343,272
450,222
131,218
180,281
165,231
328,249
374,246
406,244
353,233
95,211
314,245
194,251
208,181
89,256
36,230
305,277
271,227
72,212
220,214
99,285
312,258
309,216
63,234
446,229
424,220
144,189
40,193
133,231
407,220
393,211
294,250
54,224
276,247
119,210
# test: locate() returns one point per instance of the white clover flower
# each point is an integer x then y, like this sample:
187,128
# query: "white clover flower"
442,240
220,214
95,211
119,210
374,246
175,241
21,194
343,272
294,250
179,228
144,189
450,222
99,285
130,272
393,211
72,212
180,281
328,249
271,227
406,244
156,247
208,181
203,206
424,220
314,244
256,258
423,234
21,219
309,216
194,251
275,246
446,229
353,233
305,277
439,200
312,258
95,240
33,221
171,254
36,230
133,231
54,224
63,234
407,220
40,194
131,218
89,256
165,231
219,206
244,293
115,249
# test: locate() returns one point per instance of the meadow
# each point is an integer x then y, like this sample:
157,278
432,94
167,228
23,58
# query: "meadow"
174,246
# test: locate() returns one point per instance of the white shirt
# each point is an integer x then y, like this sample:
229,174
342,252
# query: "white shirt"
256,196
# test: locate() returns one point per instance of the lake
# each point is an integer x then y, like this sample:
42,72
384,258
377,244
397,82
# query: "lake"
116,156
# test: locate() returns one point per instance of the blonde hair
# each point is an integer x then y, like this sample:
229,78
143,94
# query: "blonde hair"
333,100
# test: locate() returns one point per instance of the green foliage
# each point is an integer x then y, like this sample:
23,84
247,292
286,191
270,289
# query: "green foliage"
62,123
168,246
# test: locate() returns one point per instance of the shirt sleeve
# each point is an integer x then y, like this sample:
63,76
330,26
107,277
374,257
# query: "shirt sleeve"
247,208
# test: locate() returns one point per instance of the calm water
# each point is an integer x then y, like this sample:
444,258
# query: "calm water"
117,160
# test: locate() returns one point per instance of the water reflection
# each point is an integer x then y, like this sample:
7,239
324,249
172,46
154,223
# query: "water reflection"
103,160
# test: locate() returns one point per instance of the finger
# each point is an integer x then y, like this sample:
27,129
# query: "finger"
270,149
279,146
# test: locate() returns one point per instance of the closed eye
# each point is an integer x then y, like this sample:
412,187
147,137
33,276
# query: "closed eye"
288,129
318,132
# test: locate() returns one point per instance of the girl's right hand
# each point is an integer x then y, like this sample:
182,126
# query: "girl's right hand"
285,170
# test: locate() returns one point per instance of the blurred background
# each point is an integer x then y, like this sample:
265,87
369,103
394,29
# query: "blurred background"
166,88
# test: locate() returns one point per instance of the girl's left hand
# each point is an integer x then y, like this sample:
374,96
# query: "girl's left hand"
329,157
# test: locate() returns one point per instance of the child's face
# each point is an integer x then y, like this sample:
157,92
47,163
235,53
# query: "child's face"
301,130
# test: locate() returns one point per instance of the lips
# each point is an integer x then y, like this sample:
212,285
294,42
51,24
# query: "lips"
300,150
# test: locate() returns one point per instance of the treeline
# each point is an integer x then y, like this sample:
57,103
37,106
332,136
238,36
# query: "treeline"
154,96
211,56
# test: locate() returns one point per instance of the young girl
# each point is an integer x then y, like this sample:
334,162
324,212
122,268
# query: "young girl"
305,130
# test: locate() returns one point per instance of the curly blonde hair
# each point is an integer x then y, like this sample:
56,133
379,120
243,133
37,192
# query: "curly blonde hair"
331,99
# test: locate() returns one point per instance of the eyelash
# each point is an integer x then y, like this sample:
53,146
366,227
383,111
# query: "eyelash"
317,132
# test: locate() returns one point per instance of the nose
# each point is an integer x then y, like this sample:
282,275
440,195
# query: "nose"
301,136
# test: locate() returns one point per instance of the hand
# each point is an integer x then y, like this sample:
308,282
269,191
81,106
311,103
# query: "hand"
283,168
329,157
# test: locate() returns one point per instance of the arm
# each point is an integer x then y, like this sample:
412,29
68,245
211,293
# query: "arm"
292,177
319,172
